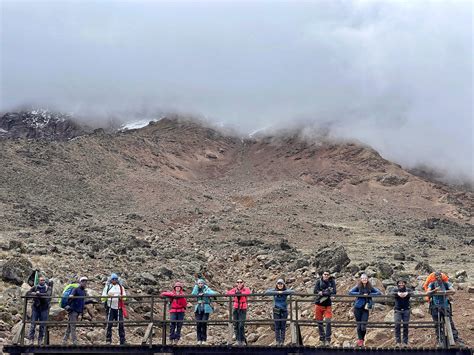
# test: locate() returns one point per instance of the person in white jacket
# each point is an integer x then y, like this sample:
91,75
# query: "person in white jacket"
115,307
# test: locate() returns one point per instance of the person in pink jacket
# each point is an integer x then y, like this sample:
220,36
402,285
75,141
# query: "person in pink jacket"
240,310
177,310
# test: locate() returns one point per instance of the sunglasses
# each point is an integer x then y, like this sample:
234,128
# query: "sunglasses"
240,282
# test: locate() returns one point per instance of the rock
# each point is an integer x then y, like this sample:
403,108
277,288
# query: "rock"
16,270
430,223
17,244
418,312
392,180
470,289
333,259
390,316
384,270
57,313
252,337
211,156
215,228
145,278
370,273
284,245
424,267
399,256
377,336
388,282
461,274
352,268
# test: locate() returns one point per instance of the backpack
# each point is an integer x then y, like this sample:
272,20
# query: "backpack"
66,293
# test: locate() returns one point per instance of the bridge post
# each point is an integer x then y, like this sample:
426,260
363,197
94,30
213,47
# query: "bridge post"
22,333
230,327
152,319
163,333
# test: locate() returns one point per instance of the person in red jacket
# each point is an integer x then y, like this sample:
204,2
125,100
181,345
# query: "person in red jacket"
240,310
177,310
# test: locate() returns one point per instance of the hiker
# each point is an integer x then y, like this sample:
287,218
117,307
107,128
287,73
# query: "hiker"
441,307
203,309
363,305
324,288
401,311
75,307
240,310
115,307
40,294
177,310
280,309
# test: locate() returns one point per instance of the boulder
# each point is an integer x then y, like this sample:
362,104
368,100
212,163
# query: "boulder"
424,267
390,317
384,270
333,259
418,312
16,270
377,336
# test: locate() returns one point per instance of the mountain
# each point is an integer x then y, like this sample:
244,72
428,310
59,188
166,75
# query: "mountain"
176,199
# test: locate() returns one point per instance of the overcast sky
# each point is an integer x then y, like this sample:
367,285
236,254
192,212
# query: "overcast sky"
396,74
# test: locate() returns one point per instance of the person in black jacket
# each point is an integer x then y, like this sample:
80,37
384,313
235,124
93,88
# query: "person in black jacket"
402,311
41,294
324,288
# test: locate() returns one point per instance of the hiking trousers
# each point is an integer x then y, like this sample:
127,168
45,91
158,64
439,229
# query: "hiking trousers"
37,315
175,327
280,316
201,327
323,313
240,315
115,315
361,316
71,327
401,317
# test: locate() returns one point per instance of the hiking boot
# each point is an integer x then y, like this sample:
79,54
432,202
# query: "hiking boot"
398,345
74,342
199,342
64,342
108,342
360,342
405,345
123,343
328,342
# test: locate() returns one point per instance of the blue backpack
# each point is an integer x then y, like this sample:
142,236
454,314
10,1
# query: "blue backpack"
66,293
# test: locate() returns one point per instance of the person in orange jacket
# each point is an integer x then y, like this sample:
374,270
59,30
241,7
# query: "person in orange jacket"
240,310
177,310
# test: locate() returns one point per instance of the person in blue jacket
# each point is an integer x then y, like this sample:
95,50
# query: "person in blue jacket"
280,309
203,309
363,305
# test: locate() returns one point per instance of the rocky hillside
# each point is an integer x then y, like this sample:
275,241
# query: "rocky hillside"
177,199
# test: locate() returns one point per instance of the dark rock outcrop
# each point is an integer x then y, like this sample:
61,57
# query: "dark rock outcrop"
39,124
333,259
16,270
